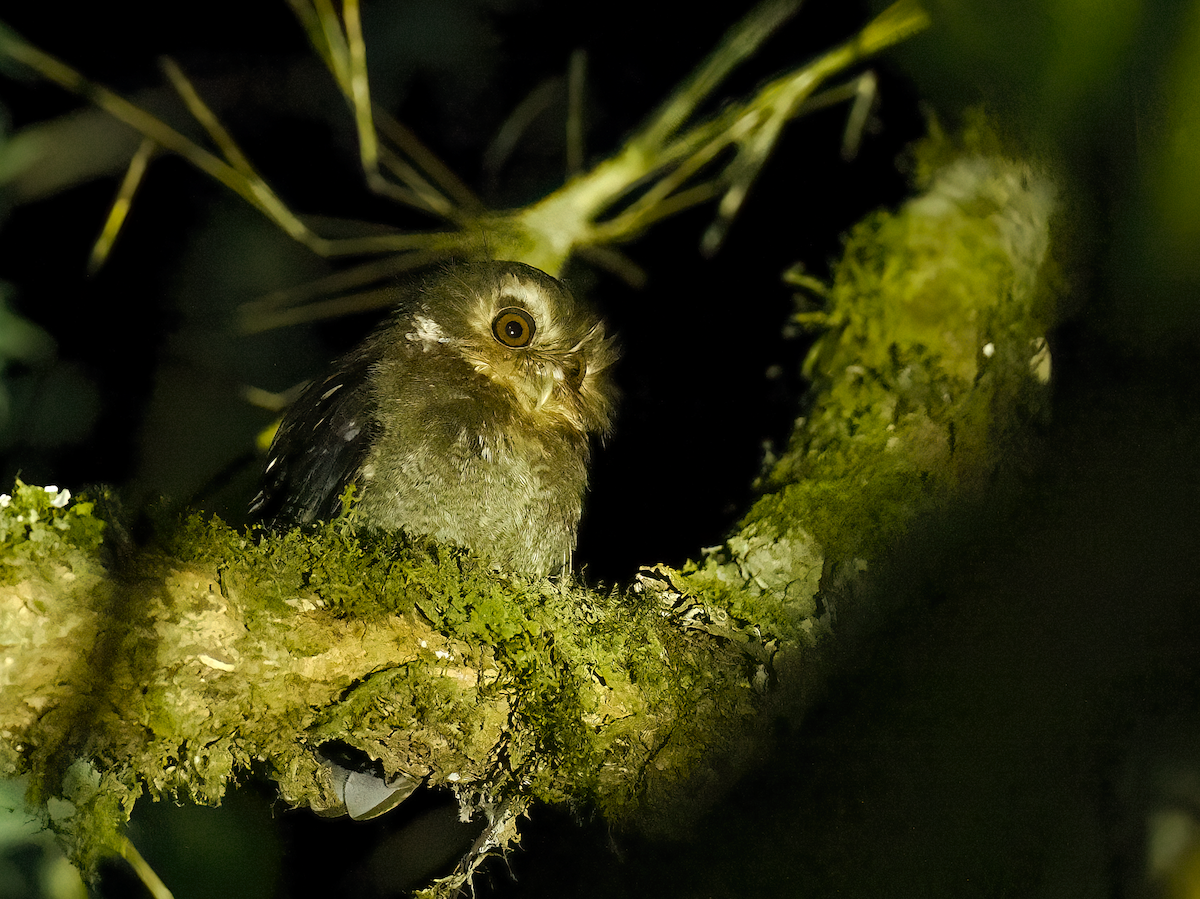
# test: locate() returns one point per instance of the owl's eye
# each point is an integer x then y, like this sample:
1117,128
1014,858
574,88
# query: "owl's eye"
513,327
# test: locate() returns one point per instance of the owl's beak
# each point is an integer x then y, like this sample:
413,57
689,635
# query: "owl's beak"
547,378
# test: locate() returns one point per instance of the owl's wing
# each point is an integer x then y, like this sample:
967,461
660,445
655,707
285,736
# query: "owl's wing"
320,447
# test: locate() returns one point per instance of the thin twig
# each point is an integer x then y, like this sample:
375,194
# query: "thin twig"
121,205
121,109
516,123
253,190
644,210
866,87
739,43
338,282
363,301
409,144
614,261
311,23
419,193
335,39
754,127
344,53
145,873
358,92
208,120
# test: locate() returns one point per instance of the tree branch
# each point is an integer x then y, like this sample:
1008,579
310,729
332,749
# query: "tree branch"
180,666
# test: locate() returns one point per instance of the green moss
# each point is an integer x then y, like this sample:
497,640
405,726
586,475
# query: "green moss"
91,813
565,702
41,528
935,312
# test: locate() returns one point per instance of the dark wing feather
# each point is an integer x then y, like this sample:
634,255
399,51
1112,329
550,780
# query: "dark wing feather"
320,446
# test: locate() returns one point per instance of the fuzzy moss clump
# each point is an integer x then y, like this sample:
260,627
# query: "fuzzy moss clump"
938,318
41,528
932,368
52,580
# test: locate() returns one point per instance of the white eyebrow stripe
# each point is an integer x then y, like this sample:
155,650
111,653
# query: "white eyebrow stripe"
521,290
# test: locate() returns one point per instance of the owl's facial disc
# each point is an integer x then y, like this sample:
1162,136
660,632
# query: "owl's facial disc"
539,372
531,338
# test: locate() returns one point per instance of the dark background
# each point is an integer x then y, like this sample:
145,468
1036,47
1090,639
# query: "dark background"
1011,727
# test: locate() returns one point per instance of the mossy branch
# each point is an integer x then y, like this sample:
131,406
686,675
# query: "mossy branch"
177,668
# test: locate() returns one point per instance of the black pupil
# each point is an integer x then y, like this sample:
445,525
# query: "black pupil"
514,328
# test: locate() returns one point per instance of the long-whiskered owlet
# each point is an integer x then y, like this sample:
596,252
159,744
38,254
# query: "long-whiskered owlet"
466,417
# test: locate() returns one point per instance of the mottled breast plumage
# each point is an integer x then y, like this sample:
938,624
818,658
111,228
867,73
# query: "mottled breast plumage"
466,417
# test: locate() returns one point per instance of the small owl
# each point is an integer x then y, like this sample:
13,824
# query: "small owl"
466,417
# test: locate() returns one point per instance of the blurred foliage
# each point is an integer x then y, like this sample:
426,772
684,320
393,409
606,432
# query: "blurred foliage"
1174,168
23,345
1110,91
31,863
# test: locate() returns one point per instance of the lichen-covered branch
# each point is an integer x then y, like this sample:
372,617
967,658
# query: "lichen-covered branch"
178,667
